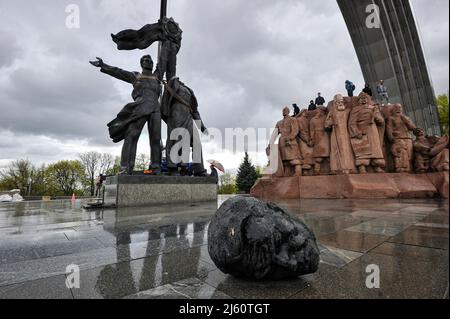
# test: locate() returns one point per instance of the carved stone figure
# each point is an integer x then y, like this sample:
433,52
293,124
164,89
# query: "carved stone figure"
320,138
430,152
365,138
145,109
305,141
342,160
440,155
398,128
179,110
422,147
251,239
290,152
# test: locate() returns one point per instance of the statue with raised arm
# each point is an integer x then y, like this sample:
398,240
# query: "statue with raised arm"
145,109
179,108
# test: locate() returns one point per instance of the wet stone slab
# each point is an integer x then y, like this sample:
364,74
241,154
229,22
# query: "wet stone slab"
161,251
191,288
47,288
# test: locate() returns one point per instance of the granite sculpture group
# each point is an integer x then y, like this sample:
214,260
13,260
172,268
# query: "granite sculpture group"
179,107
342,143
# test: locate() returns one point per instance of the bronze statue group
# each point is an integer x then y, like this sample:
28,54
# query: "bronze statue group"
178,107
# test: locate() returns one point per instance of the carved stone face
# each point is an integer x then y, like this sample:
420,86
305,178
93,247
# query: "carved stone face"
147,62
286,112
363,99
397,109
419,133
252,239
339,100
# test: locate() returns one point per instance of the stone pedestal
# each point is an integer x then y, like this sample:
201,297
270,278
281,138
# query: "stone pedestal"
388,185
146,190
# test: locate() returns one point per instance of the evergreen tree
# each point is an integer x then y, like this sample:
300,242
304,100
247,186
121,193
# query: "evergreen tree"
246,176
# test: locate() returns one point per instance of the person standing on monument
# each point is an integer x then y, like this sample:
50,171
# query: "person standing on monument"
145,109
363,126
296,110
350,87
312,106
179,109
368,90
320,101
382,91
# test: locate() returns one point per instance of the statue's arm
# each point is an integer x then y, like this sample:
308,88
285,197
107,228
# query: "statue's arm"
353,126
275,134
389,130
378,117
113,71
409,123
118,73
196,116
294,130
329,121
161,66
421,147
312,131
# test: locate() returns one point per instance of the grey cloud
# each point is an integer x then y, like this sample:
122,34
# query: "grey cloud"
9,50
245,60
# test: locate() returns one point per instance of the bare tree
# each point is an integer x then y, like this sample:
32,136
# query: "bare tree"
106,163
91,163
94,164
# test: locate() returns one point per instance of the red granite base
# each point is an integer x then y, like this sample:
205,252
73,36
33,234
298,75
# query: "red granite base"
432,185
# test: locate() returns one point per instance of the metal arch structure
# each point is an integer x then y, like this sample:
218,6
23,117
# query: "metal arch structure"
394,53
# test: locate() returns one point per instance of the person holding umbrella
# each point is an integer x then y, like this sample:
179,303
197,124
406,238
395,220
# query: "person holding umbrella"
214,172
216,164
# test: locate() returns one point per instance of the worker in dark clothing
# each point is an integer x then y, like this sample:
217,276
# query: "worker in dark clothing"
312,106
320,101
350,87
367,90
296,110
214,172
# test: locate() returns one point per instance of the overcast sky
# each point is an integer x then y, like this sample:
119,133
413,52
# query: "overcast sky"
245,60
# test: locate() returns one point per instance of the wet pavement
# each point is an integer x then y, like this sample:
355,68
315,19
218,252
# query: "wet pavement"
161,252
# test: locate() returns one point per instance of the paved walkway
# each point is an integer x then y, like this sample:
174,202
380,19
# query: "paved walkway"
161,252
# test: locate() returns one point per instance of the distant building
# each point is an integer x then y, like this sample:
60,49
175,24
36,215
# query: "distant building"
394,53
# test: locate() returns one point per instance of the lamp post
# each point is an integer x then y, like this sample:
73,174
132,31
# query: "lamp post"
30,180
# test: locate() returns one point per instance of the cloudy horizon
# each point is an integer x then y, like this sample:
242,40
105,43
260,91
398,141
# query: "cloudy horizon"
244,60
